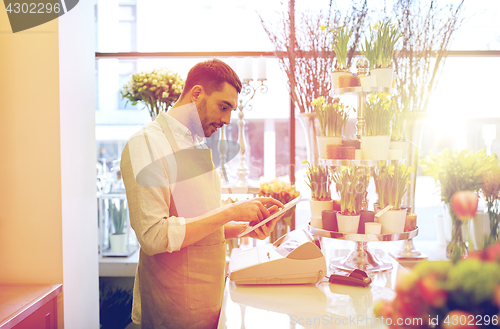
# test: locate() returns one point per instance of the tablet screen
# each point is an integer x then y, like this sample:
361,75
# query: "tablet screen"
288,206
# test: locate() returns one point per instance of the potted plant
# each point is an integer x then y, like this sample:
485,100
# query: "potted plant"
387,35
351,185
401,115
341,35
319,180
158,90
118,239
391,183
457,171
332,117
367,49
375,143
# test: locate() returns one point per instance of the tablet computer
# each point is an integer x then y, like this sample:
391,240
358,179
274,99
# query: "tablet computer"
287,207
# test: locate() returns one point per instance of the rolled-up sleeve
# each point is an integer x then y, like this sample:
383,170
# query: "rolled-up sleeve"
149,206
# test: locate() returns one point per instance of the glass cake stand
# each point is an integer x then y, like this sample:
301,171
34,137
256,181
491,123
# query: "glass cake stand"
361,258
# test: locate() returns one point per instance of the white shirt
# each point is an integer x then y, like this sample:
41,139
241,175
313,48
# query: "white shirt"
149,199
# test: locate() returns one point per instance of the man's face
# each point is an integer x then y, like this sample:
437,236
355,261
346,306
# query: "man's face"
215,109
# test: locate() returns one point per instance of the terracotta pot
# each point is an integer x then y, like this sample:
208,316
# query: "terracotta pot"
335,78
323,141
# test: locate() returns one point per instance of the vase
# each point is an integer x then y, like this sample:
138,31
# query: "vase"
375,147
118,243
383,76
456,248
323,141
347,223
393,221
480,229
310,125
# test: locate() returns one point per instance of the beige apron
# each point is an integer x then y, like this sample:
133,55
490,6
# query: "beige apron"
183,289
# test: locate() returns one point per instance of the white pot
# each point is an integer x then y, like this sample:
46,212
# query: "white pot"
400,145
368,81
393,221
480,228
323,141
383,76
395,155
118,243
347,224
375,147
318,206
317,222
335,77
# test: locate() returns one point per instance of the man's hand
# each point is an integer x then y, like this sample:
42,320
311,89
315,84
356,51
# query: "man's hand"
253,210
265,230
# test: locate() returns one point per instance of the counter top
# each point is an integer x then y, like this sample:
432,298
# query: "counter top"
18,301
323,305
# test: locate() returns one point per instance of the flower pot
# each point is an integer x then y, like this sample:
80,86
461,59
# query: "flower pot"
395,155
365,216
330,220
333,151
375,147
373,228
368,81
400,145
318,206
317,222
335,78
323,141
118,243
393,221
347,224
383,76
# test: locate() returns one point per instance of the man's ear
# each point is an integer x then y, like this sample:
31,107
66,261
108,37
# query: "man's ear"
196,92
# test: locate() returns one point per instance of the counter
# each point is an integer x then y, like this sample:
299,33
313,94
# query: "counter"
28,306
322,305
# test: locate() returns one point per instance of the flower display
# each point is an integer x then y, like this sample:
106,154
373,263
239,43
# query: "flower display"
332,116
319,180
445,294
157,89
279,190
391,183
378,114
457,171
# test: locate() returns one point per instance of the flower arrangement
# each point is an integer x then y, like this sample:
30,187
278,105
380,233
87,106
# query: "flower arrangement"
445,294
490,189
319,180
157,89
457,171
279,190
391,183
341,36
378,114
351,184
332,116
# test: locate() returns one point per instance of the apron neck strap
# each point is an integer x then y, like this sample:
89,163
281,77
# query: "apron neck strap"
168,133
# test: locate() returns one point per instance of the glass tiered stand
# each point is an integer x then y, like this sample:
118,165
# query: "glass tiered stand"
360,258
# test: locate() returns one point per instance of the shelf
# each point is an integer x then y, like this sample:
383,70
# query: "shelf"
363,237
358,163
362,89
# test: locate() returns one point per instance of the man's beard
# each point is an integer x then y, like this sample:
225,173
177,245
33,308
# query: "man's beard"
202,110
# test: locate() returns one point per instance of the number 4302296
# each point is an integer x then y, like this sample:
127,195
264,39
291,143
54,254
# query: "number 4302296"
33,8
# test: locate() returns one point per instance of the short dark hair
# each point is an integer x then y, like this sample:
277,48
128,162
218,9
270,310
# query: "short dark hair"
211,75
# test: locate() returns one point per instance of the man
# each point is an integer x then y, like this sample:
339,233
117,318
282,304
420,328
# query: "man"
173,194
